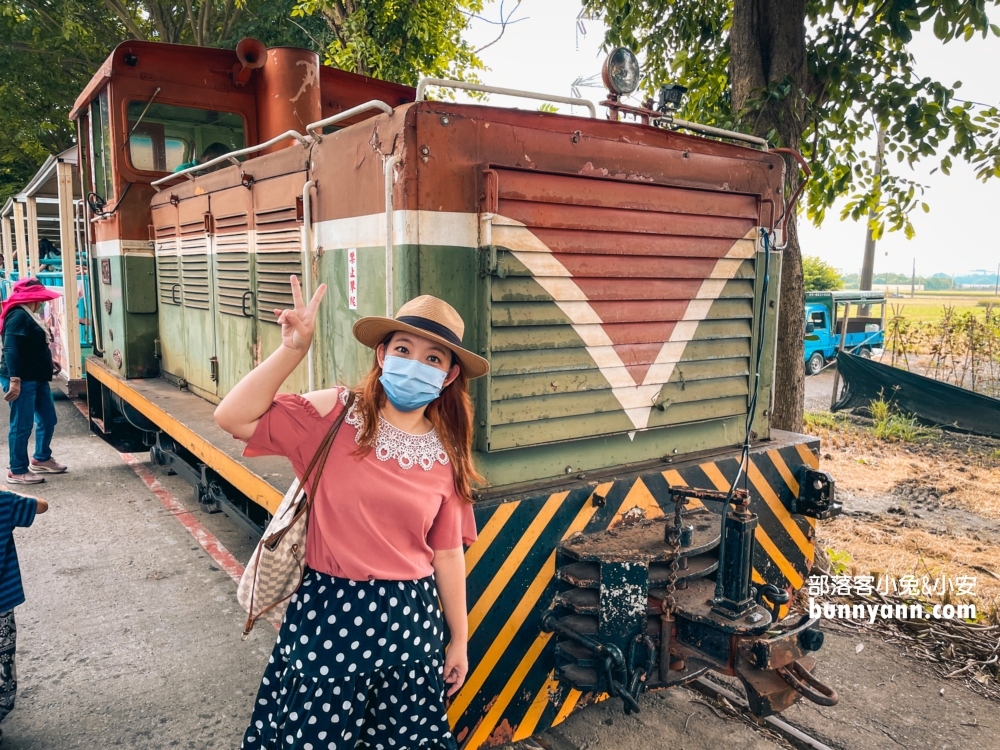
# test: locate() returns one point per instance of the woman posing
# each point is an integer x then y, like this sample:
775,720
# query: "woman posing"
25,373
360,660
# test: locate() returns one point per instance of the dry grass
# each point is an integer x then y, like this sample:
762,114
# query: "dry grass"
864,465
929,489
891,548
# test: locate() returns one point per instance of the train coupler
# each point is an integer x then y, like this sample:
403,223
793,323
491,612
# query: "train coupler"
658,602
770,692
607,670
777,671
618,583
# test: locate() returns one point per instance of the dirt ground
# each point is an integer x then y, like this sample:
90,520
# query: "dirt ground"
819,389
923,508
926,509
887,699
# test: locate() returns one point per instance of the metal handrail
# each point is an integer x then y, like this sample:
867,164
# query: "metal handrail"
710,130
307,253
345,115
231,156
389,173
444,83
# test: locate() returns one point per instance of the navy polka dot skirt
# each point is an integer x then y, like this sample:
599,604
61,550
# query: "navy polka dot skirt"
357,664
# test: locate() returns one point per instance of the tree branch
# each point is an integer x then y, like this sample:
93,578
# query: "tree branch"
335,20
54,25
125,17
503,23
189,16
233,14
205,14
51,53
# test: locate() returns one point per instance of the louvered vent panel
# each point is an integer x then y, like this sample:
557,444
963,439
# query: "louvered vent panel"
617,307
165,247
273,291
168,279
194,276
232,249
278,256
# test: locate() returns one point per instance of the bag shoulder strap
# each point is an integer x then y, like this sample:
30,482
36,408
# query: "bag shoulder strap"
318,461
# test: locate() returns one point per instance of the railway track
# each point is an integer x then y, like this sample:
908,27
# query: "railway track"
794,736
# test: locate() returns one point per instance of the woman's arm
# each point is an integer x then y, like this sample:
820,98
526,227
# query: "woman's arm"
245,404
449,572
11,360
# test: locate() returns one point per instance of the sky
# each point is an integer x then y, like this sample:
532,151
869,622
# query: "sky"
546,52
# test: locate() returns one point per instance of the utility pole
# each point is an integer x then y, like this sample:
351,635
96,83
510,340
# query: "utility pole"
913,280
868,267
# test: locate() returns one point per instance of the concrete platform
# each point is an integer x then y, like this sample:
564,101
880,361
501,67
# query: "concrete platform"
130,636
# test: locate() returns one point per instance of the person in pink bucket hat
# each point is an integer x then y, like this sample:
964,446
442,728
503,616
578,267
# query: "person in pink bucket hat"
25,373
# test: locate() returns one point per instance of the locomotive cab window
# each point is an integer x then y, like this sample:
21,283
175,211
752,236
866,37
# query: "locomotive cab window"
100,147
167,137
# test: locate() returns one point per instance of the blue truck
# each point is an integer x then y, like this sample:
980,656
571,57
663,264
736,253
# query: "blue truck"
825,316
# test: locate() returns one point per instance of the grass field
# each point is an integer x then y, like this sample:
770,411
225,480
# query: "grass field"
928,307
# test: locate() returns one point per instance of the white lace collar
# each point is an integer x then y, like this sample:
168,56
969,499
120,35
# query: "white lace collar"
391,442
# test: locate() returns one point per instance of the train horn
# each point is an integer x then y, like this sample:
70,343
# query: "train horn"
252,54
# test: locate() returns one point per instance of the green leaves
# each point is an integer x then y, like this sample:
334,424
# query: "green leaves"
397,40
858,73
941,28
818,276
48,51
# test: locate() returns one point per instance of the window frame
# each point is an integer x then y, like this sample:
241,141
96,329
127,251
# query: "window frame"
107,190
154,174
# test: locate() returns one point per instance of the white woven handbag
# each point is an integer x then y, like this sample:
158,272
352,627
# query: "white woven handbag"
276,569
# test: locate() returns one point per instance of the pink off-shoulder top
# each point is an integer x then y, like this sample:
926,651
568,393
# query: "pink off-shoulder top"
378,516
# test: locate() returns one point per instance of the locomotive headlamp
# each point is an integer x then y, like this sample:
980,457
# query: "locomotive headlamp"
621,72
670,98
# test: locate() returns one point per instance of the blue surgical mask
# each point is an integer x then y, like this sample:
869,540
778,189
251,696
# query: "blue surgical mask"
409,384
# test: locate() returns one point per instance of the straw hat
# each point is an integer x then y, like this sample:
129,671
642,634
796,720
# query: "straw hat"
431,318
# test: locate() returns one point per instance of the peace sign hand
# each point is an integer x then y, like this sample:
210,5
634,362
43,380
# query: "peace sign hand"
299,323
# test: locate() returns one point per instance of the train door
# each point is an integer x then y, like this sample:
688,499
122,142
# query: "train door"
235,320
277,219
197,300
166,248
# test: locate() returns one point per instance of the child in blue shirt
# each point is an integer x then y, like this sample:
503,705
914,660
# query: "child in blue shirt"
15,510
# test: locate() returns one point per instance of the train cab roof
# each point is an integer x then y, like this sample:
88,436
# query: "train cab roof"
177,70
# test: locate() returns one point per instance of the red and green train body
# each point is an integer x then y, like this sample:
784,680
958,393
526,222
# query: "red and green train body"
620,277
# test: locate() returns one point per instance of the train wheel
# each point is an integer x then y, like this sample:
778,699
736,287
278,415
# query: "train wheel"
155,456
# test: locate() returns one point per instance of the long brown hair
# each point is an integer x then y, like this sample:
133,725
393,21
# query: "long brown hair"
450,413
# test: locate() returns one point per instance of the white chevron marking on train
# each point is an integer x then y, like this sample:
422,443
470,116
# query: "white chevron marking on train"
637,400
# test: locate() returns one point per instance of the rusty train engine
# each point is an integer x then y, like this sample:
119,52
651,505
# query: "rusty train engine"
655,603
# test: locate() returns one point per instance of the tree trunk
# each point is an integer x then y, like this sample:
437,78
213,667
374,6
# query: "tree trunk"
767,51
789,364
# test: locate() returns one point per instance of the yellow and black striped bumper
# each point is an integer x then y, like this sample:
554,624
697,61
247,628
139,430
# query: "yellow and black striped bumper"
512,691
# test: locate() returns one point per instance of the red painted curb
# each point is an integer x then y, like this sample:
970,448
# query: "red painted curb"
203,536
